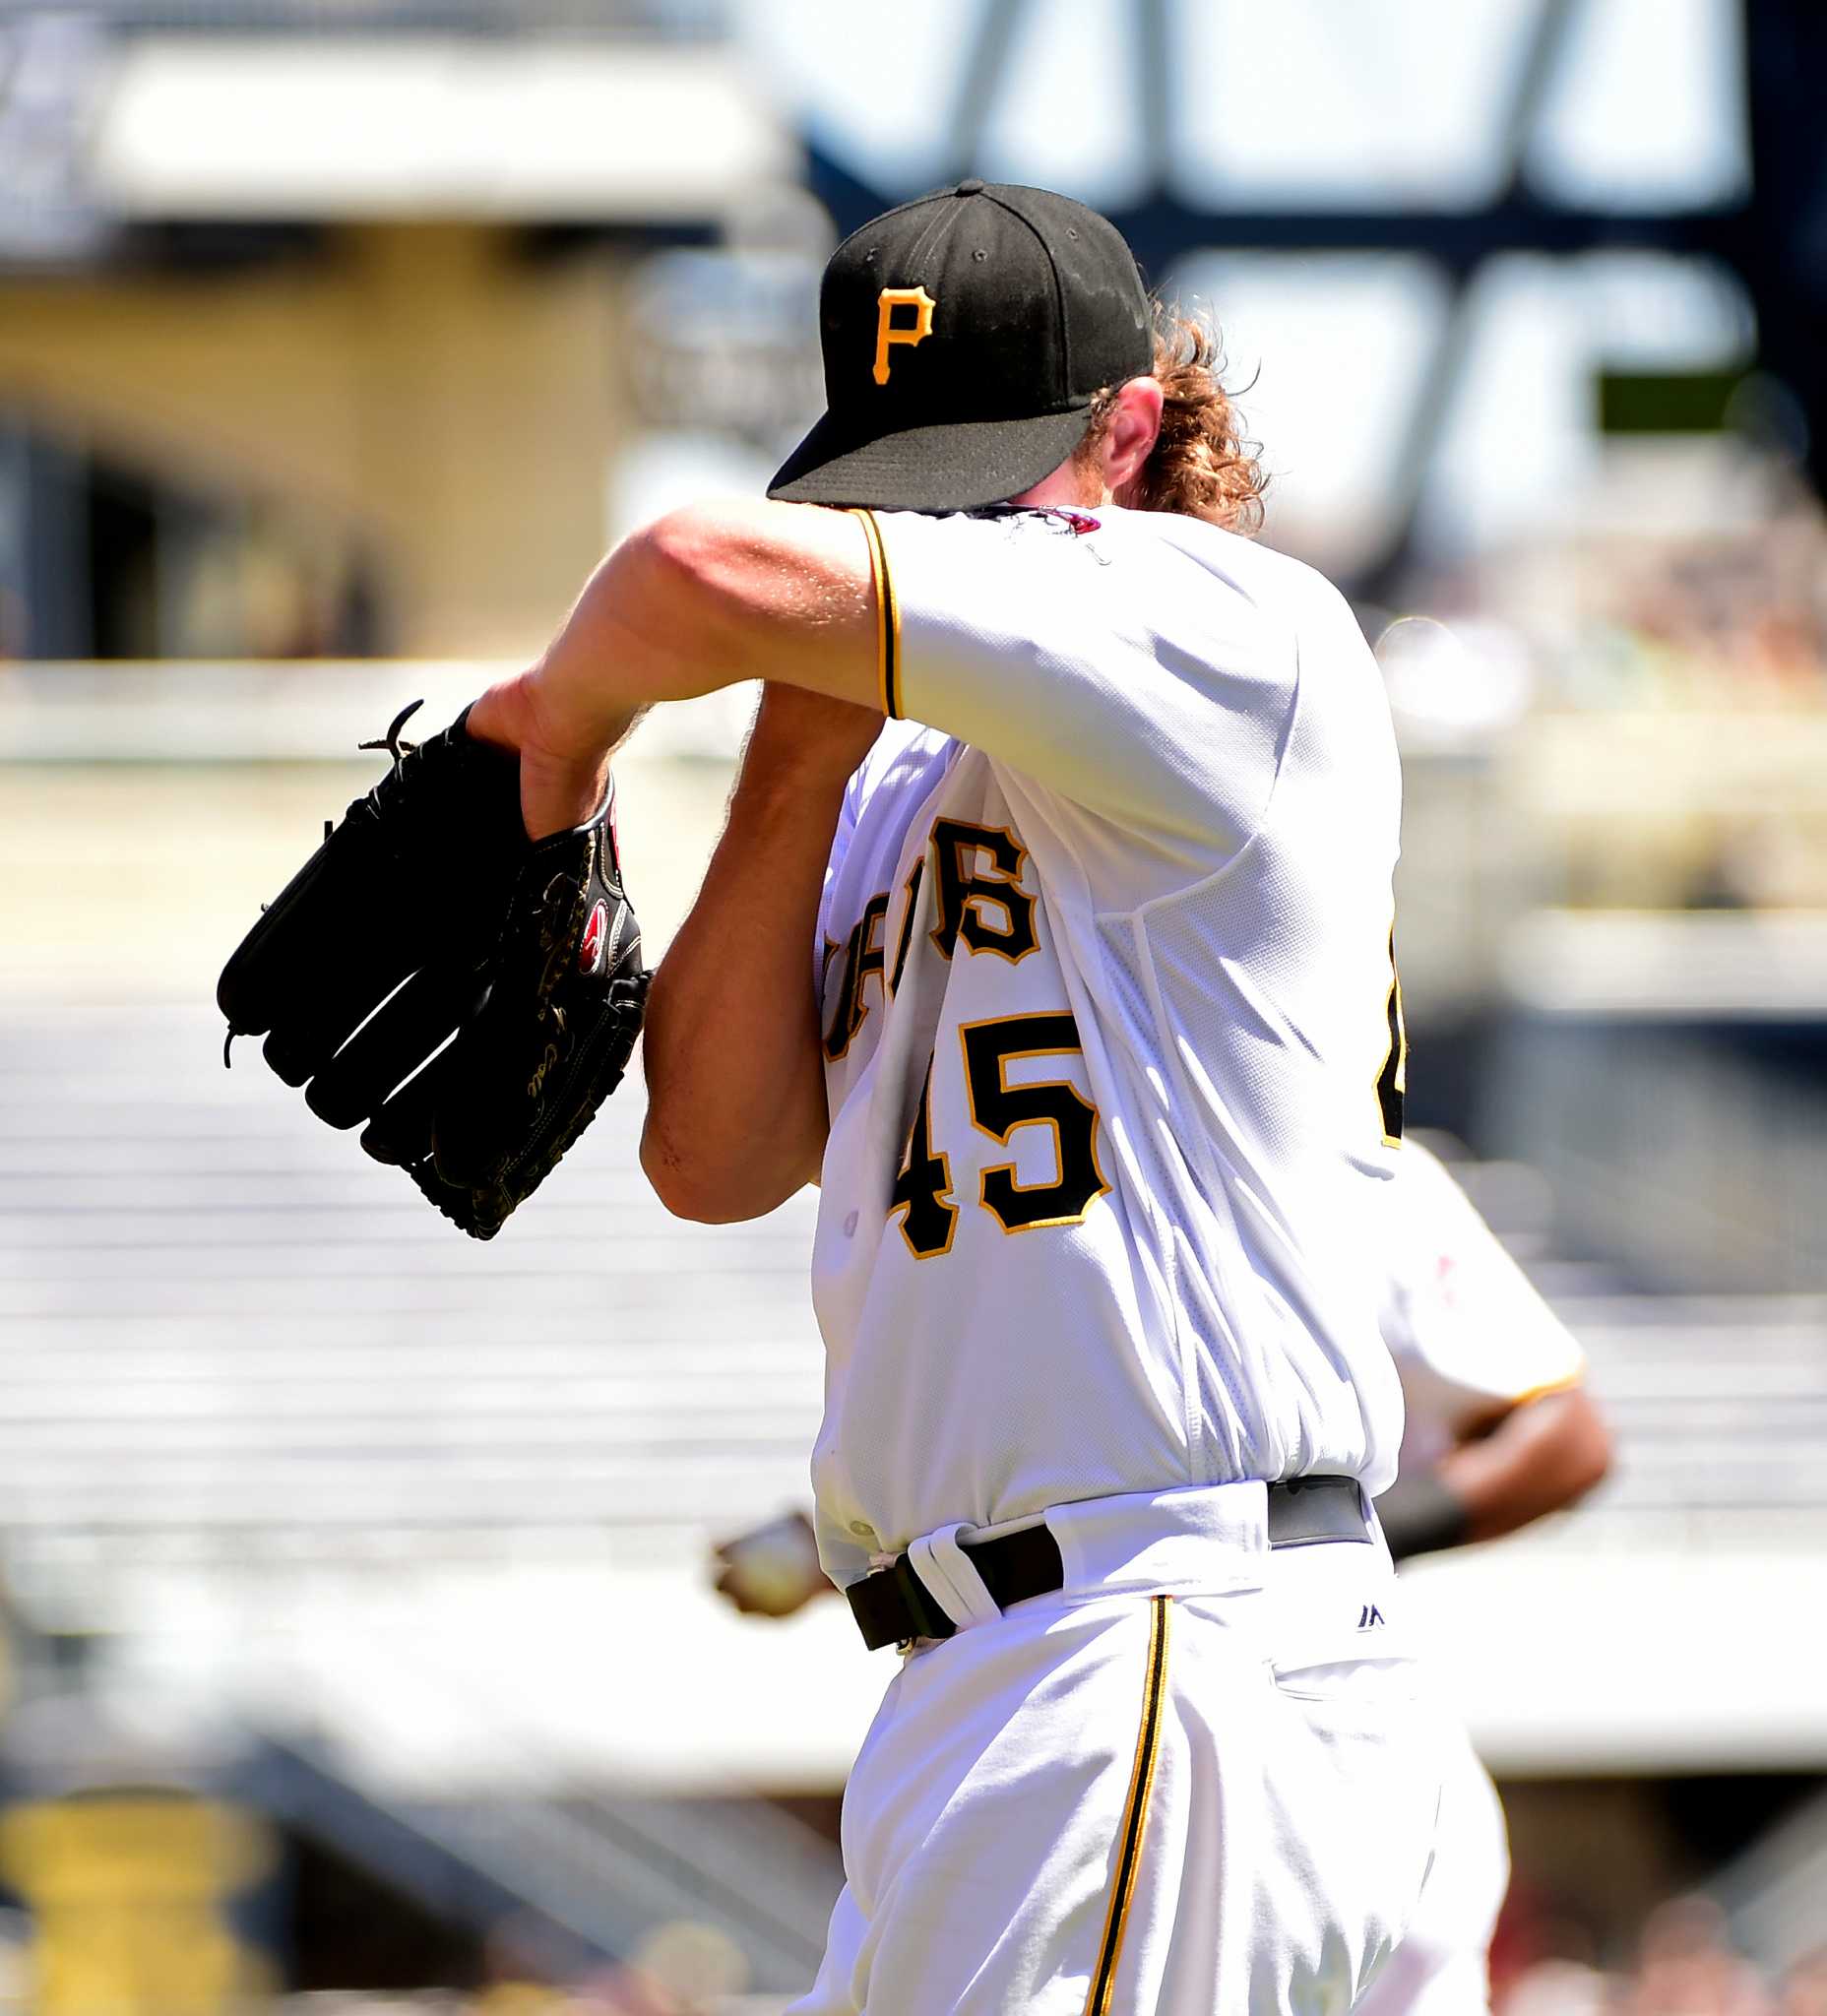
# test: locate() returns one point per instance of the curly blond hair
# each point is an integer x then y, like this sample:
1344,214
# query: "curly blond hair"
1202,464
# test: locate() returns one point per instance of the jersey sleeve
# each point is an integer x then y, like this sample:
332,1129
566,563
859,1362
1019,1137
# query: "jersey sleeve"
1116,659
1458,1310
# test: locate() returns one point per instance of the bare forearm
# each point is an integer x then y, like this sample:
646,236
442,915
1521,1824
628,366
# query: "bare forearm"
698,600
736,1113
1540,1457
736,1118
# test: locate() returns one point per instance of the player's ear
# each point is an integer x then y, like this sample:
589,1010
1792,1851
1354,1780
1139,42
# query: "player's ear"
1130,438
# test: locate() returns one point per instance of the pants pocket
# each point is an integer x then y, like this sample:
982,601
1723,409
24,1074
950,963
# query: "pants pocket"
1349,1674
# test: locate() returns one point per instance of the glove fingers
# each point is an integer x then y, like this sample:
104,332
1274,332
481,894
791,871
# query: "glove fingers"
355,921
394,1041
329,1002
287,1060
457,1203
400,1132
294,969
476,1130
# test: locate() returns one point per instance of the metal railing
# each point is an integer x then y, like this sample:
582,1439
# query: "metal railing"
592,1874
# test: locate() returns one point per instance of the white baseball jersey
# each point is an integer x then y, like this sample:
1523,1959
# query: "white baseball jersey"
1469,1332
1111,1029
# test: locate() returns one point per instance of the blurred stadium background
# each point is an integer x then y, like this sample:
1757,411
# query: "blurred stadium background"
360,1647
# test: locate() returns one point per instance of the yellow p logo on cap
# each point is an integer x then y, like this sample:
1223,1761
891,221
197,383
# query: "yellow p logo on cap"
887,302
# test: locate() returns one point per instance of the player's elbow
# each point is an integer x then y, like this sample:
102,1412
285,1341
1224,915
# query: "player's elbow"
686,1185
692,564
678,550
707,1189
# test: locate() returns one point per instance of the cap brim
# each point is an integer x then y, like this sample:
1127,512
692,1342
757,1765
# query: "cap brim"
955,466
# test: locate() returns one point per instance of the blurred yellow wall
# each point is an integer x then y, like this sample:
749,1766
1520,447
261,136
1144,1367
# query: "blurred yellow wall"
429,384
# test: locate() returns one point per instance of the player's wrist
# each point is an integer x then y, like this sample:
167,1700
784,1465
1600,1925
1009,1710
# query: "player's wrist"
1422,1515
563,767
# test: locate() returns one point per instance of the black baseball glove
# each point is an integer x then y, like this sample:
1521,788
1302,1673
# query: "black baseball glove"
428,915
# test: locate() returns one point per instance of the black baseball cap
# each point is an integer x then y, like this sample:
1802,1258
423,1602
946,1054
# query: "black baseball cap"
965,334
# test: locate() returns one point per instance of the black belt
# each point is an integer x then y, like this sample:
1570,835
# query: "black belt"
893,1606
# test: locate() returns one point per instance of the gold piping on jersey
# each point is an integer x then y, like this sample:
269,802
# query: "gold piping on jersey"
1570,1383
1392,1073
1135,1814
887,617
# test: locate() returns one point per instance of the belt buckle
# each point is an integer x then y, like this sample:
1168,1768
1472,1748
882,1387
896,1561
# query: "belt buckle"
927,1618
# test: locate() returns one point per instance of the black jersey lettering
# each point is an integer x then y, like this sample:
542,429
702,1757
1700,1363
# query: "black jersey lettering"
981,901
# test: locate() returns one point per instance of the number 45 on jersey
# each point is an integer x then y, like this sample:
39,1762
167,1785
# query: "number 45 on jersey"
923,1190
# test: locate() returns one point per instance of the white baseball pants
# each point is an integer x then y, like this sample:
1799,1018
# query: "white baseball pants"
1442,1968
1200,1780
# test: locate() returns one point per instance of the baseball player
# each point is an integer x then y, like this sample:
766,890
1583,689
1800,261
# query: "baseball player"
1500,1431
1071,985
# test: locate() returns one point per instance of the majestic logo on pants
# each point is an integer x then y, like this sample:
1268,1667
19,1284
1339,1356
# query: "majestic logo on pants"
885,329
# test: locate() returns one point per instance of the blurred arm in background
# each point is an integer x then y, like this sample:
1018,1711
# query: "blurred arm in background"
1538,1455
1500,1428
